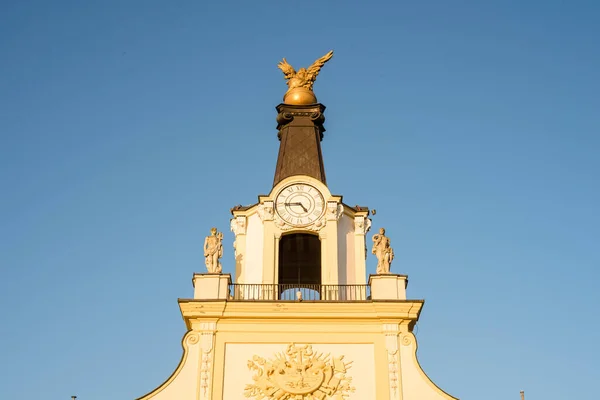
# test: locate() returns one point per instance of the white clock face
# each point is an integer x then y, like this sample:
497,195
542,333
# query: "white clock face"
300,204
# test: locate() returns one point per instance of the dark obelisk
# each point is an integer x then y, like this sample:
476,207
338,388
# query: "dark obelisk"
300,133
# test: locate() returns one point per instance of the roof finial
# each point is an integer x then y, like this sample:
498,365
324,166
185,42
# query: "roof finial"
300,84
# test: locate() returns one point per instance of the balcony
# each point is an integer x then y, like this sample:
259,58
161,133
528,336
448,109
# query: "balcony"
212,287
291,292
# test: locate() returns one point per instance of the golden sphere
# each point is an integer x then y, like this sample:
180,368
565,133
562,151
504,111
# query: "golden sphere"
299,96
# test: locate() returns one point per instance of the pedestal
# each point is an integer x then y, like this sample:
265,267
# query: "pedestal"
211,286
388,286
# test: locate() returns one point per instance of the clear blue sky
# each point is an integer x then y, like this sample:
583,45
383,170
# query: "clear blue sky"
471,126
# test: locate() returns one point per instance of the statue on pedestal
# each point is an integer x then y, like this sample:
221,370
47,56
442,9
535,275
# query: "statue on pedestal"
383,251
213,250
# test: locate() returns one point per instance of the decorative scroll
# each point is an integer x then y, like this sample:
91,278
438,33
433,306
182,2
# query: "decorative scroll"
406,339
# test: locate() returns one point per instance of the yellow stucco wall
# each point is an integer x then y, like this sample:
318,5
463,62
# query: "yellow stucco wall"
373,337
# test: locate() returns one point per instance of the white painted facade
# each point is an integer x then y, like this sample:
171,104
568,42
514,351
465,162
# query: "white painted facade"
341,229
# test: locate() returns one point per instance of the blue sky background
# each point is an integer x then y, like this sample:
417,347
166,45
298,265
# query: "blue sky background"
129,128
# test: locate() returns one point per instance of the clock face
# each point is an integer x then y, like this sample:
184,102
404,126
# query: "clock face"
300,204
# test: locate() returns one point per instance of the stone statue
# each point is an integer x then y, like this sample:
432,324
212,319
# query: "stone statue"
300,84
383,251
213,250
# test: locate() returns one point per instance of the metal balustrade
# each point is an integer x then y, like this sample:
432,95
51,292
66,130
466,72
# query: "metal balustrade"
293,292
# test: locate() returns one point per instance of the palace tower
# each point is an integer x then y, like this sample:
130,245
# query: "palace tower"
300,319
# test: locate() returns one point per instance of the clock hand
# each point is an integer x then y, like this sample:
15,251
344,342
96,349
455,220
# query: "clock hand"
296,204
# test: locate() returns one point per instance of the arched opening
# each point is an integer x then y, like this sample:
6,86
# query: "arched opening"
299,266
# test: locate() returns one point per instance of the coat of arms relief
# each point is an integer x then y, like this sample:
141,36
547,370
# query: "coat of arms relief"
299,373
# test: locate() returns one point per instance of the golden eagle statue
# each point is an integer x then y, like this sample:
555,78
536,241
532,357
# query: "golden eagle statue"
300,84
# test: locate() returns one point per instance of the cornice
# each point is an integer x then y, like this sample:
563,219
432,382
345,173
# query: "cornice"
400,311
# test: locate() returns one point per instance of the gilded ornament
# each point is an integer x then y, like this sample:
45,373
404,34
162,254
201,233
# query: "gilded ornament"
300,84
299,373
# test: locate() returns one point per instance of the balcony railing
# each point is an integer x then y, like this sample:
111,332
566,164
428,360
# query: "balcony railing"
293,292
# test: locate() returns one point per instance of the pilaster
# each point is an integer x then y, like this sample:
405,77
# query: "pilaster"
238,227
362,224
392,332
276,249
330,268
323,237
269,260
207,346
